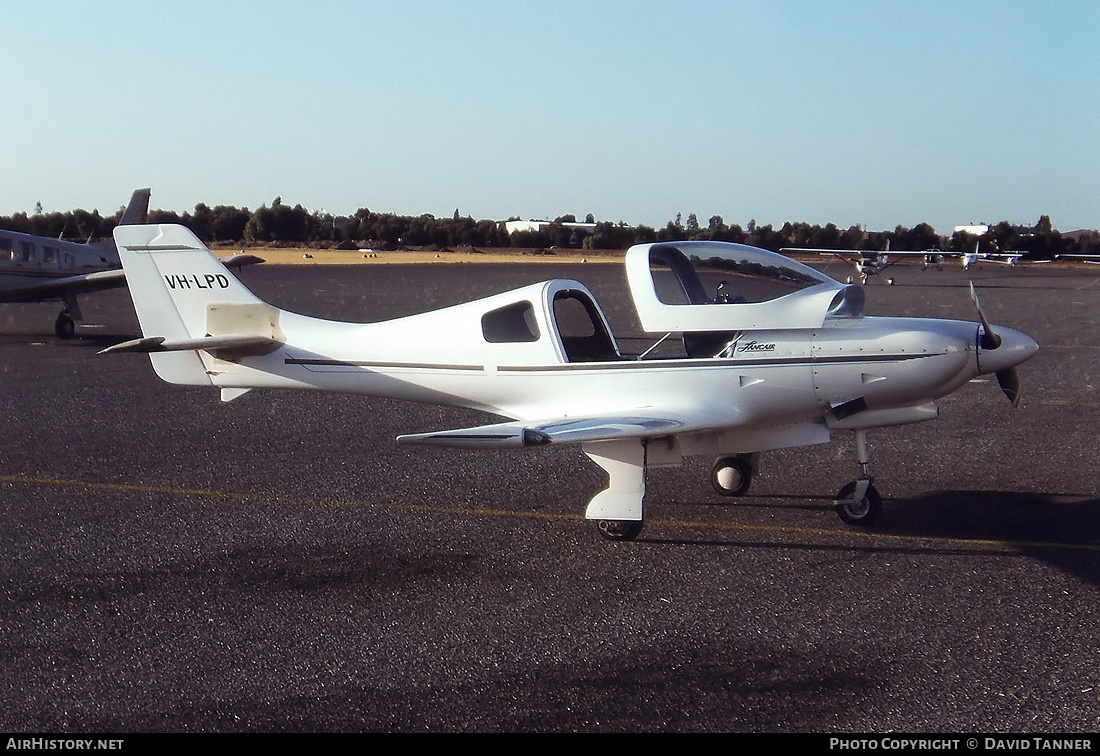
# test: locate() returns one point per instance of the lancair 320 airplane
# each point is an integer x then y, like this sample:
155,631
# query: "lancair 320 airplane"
774,355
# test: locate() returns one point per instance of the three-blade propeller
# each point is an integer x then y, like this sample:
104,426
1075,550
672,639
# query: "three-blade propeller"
1008,379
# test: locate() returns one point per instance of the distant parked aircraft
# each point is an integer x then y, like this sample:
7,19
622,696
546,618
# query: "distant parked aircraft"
42,269
872,262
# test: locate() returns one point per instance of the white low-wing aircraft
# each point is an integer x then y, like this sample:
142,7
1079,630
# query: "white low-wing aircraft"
41,269
774,355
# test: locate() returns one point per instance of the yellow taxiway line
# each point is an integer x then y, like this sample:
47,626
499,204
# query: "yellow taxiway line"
687,524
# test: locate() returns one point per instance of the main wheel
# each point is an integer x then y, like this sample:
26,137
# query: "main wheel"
863,512
620,530
731,476
64,326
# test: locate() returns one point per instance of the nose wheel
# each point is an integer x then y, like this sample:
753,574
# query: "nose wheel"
732,476
859,502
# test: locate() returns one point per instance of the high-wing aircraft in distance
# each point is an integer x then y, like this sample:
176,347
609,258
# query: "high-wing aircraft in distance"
872,262
977,256
771,354
867,262
41,269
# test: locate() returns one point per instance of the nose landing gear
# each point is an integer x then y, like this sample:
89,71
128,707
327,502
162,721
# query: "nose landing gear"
859,503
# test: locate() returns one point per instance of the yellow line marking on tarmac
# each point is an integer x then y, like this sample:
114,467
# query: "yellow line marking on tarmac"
244,496
690,524
1069,403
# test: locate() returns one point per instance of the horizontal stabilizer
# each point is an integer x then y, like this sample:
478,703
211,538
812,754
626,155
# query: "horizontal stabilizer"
560,431
224,347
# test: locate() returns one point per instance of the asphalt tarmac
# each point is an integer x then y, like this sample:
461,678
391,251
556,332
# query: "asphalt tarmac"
171,563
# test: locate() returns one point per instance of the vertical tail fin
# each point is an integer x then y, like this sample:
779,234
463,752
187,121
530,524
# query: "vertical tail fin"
138,210
182,292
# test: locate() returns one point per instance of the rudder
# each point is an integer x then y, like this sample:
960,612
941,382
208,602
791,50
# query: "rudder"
173,279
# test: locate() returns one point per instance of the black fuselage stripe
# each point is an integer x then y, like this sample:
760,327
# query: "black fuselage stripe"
717,363
319,362
629,365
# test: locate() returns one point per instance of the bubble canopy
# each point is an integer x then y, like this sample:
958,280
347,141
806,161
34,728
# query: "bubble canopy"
719,286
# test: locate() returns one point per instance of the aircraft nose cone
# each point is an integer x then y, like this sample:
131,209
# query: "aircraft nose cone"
1015,348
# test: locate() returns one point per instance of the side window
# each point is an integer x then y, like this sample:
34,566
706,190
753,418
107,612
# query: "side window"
582,332
50,255
28,251
5,249
514,323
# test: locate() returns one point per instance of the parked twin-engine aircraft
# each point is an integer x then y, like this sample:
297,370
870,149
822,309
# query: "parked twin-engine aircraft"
774,354
41,269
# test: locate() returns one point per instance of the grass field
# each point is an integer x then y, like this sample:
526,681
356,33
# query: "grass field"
311,256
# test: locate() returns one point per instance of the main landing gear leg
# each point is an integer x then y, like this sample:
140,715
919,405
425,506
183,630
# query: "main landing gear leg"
617,510
859,503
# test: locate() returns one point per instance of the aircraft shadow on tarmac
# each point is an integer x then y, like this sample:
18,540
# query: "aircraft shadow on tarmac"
1059,528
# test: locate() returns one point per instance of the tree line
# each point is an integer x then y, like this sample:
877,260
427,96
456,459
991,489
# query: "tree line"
281,224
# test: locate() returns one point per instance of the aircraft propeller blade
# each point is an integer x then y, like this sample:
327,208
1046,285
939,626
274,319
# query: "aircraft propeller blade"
990,340
1009,381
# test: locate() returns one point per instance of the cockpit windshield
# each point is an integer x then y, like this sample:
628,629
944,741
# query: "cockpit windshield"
725,274
715,286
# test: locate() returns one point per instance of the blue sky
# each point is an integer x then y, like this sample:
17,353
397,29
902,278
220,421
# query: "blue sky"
878,113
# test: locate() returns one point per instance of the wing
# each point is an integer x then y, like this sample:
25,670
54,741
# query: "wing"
842,254
62,288
1001,259
566,430
1082,258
